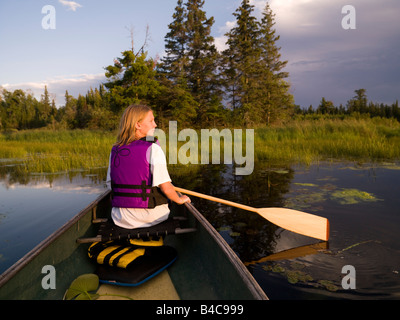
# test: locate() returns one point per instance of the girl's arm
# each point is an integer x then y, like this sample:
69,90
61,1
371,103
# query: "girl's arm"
168,189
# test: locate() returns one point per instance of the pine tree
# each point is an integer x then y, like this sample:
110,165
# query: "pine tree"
326,107
278,103
70,111
132,80
241,64
175,102
44,109
191,62
254,80
203,60
175,61
359,101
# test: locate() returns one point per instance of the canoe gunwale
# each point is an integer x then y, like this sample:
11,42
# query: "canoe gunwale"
253,286
32,254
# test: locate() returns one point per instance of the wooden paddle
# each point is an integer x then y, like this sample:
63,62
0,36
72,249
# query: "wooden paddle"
292,253
296,221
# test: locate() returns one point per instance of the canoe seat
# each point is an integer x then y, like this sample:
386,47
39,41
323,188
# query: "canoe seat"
131,257
123,264
109,231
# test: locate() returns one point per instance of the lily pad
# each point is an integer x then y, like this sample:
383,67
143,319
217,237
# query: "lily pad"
278,268
240,224
297,266
306,184
328,285
305,201
82,287
281,171
352,196
295,276
234,234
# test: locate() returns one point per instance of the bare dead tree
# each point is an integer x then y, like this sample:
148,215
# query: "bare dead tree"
145,43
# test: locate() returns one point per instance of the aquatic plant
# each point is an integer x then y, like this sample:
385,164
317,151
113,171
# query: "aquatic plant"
328,285
295,274
306,184
84,288
352,196
307,197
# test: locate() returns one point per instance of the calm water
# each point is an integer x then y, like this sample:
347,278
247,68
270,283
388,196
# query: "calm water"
361,202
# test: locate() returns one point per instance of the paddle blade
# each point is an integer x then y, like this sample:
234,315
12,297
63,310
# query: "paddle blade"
297,221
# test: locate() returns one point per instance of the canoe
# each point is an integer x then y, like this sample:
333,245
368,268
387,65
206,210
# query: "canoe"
206,267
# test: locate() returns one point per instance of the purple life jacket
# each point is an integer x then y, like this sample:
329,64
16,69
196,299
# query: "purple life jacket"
131,177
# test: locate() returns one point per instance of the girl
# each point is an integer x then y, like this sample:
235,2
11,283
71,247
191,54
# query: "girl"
138,174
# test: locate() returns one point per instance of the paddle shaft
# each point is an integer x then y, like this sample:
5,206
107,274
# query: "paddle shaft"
204,196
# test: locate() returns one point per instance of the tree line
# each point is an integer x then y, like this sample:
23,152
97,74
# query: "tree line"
359,104
193,83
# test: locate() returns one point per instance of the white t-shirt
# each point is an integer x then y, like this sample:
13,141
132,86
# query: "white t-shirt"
131,218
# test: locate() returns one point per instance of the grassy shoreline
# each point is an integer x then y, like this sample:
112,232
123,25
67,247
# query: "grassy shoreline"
309,141
298,142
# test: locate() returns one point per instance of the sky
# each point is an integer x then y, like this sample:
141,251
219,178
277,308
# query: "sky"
68,47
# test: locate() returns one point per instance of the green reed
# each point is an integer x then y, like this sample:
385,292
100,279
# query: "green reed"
307,141
300,141
54,151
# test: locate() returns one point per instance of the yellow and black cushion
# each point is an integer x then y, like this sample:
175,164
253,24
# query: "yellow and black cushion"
130,262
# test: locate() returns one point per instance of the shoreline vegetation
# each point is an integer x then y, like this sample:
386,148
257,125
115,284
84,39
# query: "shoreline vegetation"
300,141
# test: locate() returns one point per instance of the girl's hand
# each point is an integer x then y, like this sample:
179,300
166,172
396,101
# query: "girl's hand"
184,199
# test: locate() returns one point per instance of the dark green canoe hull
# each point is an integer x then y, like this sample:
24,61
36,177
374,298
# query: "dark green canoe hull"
206,268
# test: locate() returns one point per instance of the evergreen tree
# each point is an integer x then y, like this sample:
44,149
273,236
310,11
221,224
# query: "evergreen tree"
12,108
253,75
132,80
176,101
203,60
241,64
82,112
69,114
97,100
359,102
278,103
174,63
326,107
191,63
44,110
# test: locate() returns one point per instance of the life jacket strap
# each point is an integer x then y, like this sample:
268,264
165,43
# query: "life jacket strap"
155,196
143,187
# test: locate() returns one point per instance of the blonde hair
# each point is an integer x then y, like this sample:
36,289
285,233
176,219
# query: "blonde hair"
127,125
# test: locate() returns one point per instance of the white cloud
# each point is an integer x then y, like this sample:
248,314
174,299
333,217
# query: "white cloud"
220,42
326,60
311,18
72,5
75,84
259,5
